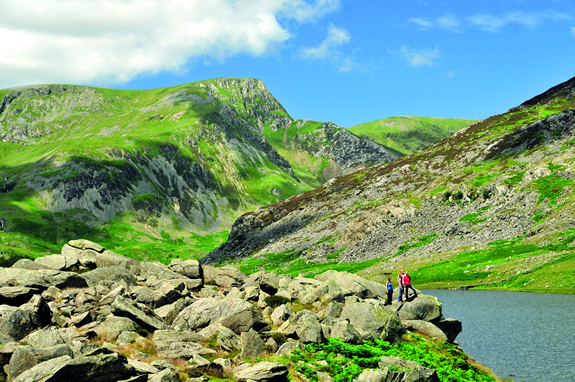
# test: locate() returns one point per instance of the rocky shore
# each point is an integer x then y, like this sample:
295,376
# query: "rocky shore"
89,314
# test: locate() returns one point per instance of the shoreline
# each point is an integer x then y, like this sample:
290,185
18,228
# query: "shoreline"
486,369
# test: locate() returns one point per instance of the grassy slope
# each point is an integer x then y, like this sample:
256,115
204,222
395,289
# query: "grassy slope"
410,134
121,124
541,260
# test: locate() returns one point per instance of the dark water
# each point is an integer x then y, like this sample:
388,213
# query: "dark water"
527,337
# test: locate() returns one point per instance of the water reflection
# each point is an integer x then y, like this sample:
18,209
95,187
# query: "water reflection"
526,337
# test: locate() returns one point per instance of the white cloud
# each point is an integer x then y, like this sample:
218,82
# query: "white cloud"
494,24
488,22
336,36
573,30
86,41
419,57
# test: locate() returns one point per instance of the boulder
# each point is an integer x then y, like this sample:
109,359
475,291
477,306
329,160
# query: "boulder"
101,365
113,326
426,308
235,314
44,371
22,360
353,284
345,331
450,327
228,340
425,328
44,338
58,262
86,245
412,371
150,297
309,329
252,344
373,321
19,323
123,307
188,268
225,277
263,371
143,367
333,310
169,312
263,280
28,264
111,275
281,314
17,295
177,344
109,259
385,375
166,375
288,347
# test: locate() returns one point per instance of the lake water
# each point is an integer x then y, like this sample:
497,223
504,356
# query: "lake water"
526,337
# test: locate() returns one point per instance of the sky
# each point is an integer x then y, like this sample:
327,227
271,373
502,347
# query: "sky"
341,61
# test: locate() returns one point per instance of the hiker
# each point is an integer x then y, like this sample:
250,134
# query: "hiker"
400,284
407,285
389,291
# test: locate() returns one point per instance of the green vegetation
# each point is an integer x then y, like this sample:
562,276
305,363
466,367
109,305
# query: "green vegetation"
416,242
410,134
346,361
473,217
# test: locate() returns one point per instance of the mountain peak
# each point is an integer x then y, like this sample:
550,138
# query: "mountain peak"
563,90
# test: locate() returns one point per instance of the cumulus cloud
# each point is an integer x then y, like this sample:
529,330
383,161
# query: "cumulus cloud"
336,36
86,41
419,57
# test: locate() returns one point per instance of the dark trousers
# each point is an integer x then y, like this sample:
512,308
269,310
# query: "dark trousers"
407,287
389,297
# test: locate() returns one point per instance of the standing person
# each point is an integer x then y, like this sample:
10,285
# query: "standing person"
407,285
389,291
400,284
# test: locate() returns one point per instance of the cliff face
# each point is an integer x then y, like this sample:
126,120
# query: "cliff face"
493,203
132,166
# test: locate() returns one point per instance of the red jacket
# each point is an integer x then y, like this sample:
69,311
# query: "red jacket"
407,280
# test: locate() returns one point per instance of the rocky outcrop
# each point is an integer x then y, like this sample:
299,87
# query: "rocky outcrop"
53,330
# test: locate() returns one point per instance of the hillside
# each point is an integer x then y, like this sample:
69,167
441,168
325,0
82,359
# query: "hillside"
153,174
490,207
410,134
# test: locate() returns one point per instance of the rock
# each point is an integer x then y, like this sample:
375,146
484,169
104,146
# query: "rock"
109,259
263,280
450,327
98,366
80,320
425,328
309,329
113,326
22,360
237,315
329,291
228,340
251,293
412,371
20,323
188,268
86,257
58,262
150,297
45,354
210,368
373,321
281,314
263,371
86,245
345,331
111,296
426,308
28,264
177,344
252,344
385,375
44,338
169,312
122,307
271,346
288,347
127,338
44,371
110,274
143,367
166,375
225,277
333,310
161,364
354,284
17,295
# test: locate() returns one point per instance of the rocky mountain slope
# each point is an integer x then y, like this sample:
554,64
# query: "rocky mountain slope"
492,206
410,134
88,314
149,171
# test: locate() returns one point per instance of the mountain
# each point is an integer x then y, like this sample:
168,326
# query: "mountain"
410,134
490,207
154,174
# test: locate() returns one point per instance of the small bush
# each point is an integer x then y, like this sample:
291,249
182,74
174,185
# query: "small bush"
279,338
141,331
275,301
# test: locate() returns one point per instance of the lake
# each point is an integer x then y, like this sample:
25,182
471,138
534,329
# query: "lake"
525,337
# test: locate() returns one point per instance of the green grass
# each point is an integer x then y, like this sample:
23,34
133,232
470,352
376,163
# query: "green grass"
473,217
416,242
344,362
409,134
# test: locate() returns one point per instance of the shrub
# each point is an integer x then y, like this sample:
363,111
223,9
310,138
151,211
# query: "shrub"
275,301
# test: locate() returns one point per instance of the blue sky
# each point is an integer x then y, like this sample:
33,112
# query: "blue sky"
343,61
